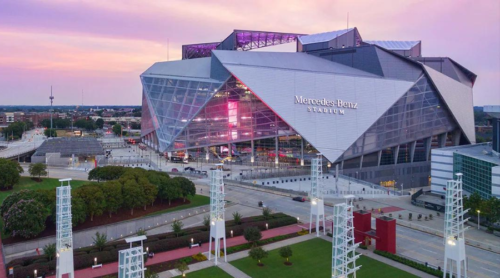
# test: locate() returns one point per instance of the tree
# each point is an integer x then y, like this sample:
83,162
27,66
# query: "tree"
182,267
113,194
78,211
169,190
187,187
50,251
473,202
286,252
9,173
266,212
38,169
252,235
99,123
150,193
50,132
25,194
257,253
133,196
117,129
106,173
100,240
177,227
237,217
14,130
94,199
25,218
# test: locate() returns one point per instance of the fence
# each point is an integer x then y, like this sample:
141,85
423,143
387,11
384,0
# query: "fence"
115,231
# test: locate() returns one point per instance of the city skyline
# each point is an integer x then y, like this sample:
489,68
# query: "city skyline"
103,47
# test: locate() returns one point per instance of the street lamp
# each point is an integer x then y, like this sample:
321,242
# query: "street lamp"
478,219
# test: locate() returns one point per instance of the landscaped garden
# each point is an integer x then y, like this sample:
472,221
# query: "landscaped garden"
28,204
312,258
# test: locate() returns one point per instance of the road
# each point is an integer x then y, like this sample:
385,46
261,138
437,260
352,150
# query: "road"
31,140
411,243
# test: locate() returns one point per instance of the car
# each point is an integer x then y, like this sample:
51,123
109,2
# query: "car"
299,199
190,169
175,170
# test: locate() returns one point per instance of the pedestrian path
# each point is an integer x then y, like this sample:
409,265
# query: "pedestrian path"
2,262
111,268
233,271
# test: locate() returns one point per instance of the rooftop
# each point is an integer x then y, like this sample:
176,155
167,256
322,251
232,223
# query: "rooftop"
479,151
395,45
79,146
323,37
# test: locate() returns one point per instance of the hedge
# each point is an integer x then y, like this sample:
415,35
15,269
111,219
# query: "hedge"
84,257
410,263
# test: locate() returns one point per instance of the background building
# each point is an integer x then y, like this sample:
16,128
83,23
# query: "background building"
374,108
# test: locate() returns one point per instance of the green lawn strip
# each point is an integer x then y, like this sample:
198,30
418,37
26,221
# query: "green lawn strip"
211,272
28,183
196,201
313,258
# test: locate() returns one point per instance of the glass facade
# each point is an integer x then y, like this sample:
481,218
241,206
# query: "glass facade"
174,102
476,174
418,114
234,114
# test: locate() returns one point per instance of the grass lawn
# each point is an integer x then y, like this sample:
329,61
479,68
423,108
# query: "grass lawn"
28,183
313,258
211,272
196,201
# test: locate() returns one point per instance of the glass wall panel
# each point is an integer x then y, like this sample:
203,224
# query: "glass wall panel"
174,102
420,150
476,174
404,153
419,113
234,114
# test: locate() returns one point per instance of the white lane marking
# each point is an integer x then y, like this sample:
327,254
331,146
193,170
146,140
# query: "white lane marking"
489,270
429,250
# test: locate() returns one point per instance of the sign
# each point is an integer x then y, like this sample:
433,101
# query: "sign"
325,106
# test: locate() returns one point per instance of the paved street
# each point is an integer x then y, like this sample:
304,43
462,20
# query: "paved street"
415,244
31,140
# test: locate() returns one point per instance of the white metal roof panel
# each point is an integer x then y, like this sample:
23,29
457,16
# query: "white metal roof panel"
322,37
395,45
194,68
278,89
287,61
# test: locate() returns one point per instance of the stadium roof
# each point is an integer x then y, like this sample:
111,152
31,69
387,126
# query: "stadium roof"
79,146
395,45
323,37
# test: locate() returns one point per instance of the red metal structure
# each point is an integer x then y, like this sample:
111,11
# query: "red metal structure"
384,235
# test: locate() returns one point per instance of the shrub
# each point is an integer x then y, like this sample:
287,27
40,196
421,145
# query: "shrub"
303,232
181,266
100,240
221,252
177,227
266,212
408,262
200,257
237,218
50,251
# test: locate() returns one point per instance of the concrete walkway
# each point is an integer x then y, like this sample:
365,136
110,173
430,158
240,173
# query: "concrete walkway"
387,261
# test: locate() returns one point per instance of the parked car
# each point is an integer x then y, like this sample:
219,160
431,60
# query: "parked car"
299,199
189,169
175,170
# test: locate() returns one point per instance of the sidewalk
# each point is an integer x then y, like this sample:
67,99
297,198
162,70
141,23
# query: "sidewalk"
181,253
390,262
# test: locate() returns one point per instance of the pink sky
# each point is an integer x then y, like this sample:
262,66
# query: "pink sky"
101,47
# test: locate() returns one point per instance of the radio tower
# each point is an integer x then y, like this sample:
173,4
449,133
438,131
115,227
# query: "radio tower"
51,110
217,225
344,249
64,231
316,194
454,251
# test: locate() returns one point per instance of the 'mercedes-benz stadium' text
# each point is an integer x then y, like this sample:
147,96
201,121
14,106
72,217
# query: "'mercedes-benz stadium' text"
314,103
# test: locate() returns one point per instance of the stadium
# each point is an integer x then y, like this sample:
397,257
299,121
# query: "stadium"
373,109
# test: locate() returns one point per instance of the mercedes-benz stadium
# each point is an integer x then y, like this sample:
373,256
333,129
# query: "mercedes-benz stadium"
373,109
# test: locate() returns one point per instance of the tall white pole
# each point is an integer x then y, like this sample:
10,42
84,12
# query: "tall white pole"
217,215
316,194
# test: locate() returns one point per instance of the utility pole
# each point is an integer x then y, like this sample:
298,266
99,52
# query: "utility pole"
51,110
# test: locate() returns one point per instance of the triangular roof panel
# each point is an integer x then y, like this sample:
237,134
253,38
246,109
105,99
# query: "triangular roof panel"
323,37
